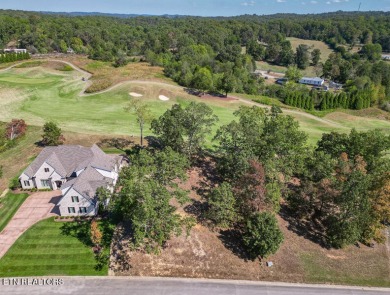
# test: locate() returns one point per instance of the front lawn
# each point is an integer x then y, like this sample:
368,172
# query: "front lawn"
9,204
54,248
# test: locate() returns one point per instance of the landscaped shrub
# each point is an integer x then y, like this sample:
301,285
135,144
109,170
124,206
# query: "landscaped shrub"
66,68
14,183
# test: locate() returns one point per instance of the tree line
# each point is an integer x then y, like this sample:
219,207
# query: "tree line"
321,100
11,57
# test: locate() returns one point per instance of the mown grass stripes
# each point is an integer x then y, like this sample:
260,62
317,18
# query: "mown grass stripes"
46,249
9,204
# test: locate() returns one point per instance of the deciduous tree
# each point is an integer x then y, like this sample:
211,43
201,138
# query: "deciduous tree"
52,134
142,113
223,207
262,236
16,128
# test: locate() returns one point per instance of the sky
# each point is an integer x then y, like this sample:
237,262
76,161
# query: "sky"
196,7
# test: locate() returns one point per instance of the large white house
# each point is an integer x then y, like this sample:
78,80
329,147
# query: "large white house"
78,172
312,81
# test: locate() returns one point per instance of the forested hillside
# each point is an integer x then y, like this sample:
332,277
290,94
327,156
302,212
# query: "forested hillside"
219,54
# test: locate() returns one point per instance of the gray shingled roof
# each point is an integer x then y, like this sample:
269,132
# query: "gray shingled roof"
88,182
66,159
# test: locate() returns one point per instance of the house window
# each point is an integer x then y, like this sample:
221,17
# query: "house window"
26,183
45,182
83,209
47,170
71,210
75,199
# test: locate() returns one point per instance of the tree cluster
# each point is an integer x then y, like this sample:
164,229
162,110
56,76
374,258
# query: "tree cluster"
342,189
144,201
11,57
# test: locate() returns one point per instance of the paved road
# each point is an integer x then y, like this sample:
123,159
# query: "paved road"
36,207
164,286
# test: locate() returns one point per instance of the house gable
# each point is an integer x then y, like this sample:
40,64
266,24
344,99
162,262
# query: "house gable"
26,182
43,175
73,200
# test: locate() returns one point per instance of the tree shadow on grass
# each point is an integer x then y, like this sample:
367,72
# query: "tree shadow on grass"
307,229
79,229
198,209
119,143
232,240
153,142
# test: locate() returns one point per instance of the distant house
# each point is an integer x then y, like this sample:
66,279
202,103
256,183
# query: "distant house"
312,81
281,81
78,172
70,51
386,56
14,50
335,85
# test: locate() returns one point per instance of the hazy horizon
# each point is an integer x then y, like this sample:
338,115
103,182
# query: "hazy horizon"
198,7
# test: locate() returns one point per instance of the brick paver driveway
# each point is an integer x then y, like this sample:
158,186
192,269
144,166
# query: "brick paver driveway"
37,207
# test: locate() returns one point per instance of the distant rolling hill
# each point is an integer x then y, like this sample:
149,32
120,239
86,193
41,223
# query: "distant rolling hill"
119,15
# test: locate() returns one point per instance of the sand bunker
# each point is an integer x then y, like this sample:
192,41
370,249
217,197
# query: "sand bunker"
163,98
134,94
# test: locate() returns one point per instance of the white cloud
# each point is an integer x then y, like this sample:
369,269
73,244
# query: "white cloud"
281,1
328,2
250,3
313,2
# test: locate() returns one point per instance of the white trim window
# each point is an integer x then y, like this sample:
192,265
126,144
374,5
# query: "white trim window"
83,210
45,182
47,170
71,210
75,199
26,183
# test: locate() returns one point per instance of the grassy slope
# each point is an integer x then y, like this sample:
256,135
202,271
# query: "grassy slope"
58,99
9,204
295,42
325,49
48,249
17,158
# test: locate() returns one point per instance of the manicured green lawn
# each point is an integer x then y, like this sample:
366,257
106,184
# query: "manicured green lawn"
9,204
58,99
347,272
53,248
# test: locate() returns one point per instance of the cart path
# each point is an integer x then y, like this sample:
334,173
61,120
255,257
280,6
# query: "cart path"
163,84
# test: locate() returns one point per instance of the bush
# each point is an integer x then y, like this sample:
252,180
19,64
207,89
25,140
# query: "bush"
14,183
262,236
66,68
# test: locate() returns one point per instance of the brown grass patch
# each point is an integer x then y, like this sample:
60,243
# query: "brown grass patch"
102,72
370,113
166,93
208,253
325,49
